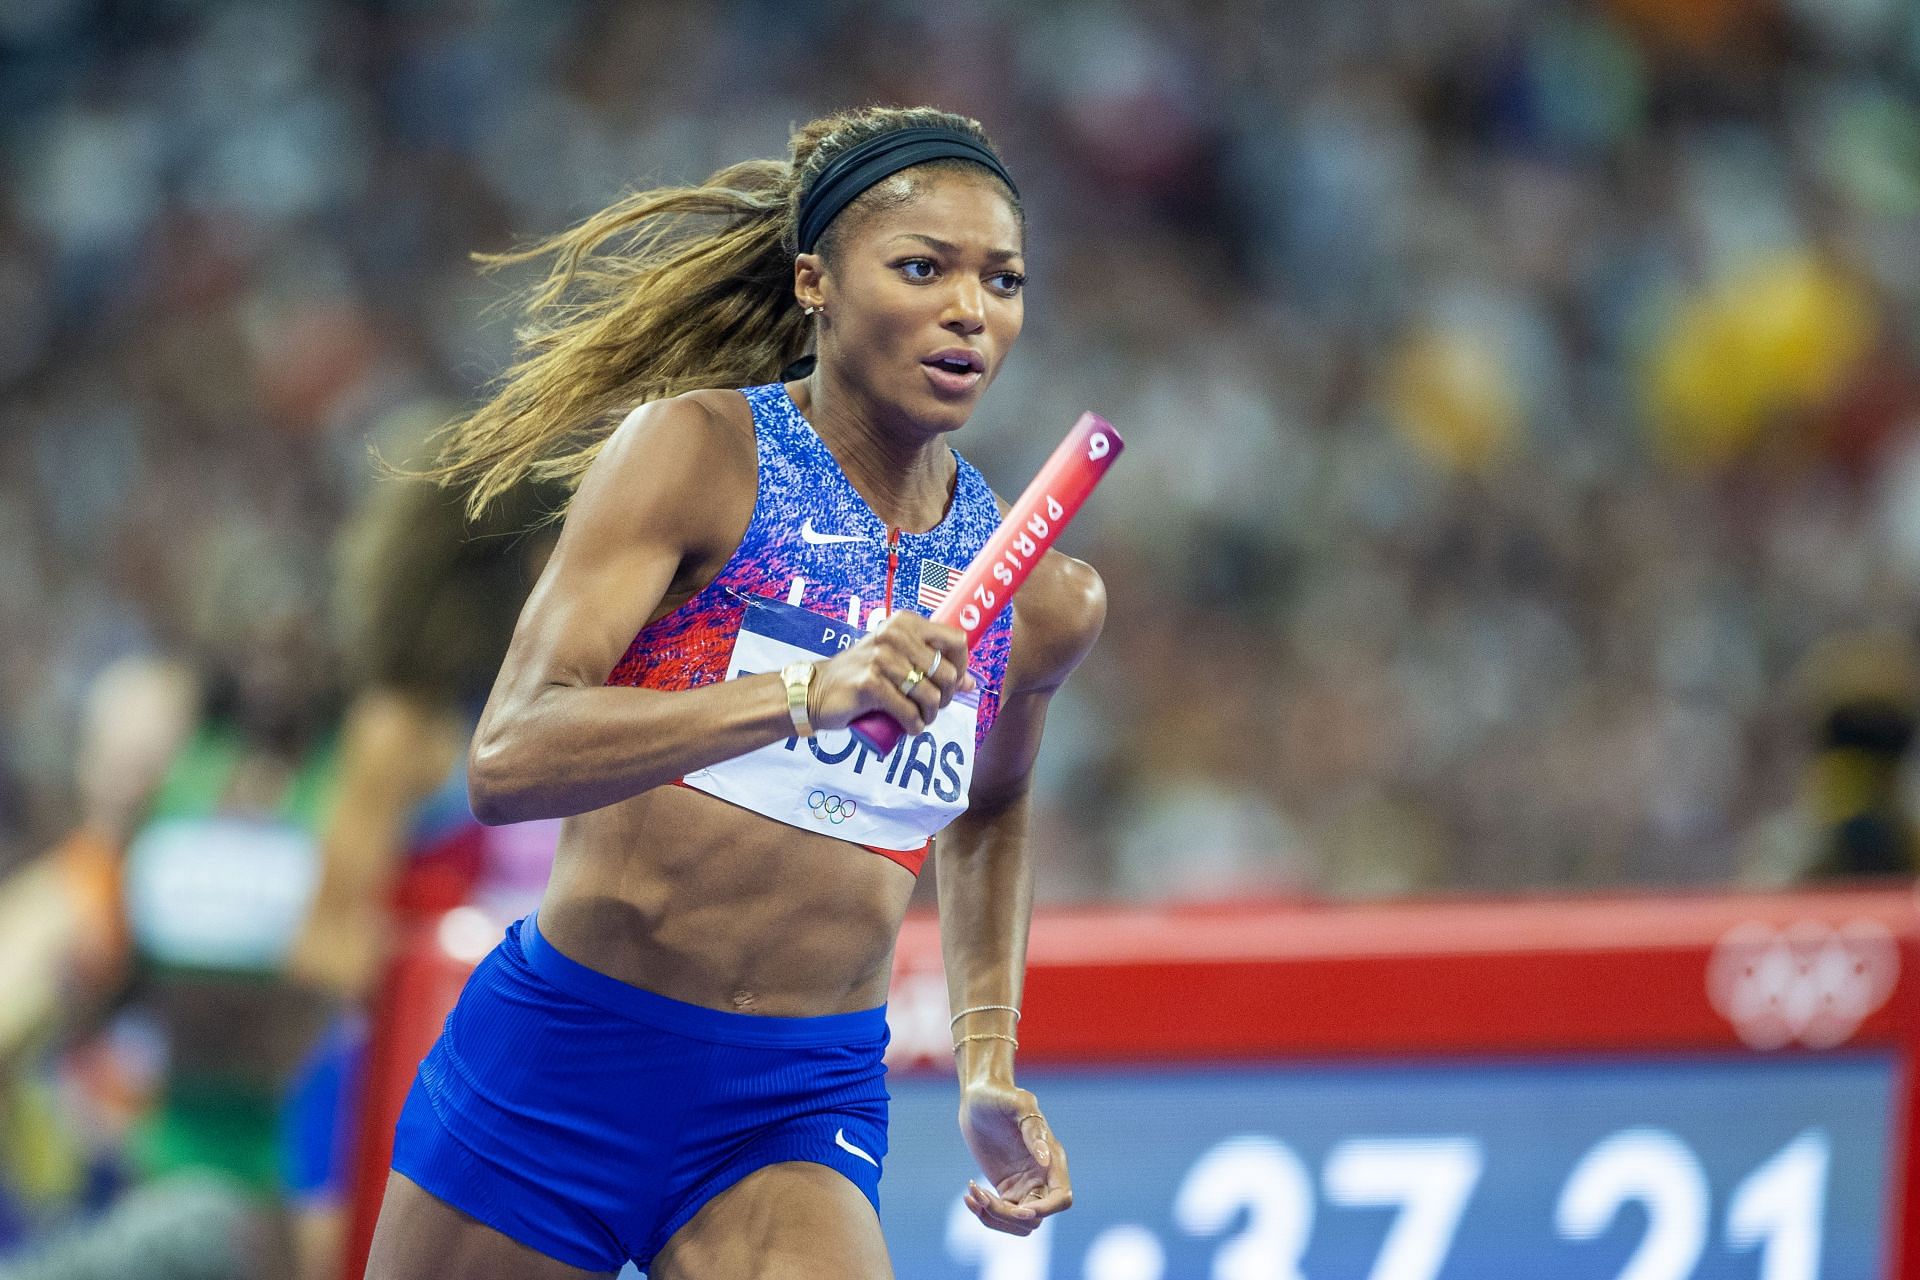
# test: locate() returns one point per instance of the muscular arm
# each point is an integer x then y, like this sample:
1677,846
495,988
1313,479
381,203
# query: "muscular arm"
985,872
984,866
658,514
672,488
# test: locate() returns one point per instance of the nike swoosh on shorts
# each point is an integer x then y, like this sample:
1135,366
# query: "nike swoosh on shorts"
808,536
840,1141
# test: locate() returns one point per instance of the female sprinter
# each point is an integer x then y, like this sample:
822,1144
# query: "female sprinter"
678,1059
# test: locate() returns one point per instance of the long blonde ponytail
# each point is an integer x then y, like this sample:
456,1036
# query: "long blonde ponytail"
670,290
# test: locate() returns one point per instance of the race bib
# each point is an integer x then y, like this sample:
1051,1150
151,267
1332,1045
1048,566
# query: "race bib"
830,783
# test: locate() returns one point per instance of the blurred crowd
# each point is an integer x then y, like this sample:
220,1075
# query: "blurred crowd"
1519,392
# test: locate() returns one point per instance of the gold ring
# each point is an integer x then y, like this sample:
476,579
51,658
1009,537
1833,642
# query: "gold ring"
914,676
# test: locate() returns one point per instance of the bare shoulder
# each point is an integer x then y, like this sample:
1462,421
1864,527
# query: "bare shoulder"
707,429
1056,619
688,461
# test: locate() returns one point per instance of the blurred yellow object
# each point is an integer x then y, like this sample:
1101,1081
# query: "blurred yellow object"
60,926
1854,666
39,921
1860,694
44,1161
1775,338
1452,396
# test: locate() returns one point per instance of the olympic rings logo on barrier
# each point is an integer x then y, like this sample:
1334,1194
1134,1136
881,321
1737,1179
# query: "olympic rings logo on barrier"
828,807
1809,983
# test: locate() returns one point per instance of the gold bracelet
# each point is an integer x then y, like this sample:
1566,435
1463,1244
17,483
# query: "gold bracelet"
798,679
984,1035
983,1008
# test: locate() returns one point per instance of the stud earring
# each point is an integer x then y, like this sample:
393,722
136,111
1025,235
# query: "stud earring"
812,311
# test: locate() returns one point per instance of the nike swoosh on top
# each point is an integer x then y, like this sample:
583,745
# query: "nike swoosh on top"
808,536
840,1141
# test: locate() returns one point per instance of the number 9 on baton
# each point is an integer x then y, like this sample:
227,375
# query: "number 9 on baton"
1025,533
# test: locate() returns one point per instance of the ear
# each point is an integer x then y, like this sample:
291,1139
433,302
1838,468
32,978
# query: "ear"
809,277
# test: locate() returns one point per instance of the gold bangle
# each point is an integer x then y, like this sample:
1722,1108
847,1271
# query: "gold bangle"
982,1008
984,1035
798,679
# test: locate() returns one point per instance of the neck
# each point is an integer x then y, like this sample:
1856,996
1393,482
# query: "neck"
902,467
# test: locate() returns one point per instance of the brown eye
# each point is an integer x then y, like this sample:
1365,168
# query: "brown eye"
917,269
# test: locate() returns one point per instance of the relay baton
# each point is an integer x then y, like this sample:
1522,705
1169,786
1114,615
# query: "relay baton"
1027,530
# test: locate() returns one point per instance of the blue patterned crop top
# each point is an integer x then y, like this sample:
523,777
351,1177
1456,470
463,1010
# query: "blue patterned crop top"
814,571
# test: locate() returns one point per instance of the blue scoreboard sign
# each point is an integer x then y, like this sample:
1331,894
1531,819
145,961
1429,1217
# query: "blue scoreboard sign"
1652,1168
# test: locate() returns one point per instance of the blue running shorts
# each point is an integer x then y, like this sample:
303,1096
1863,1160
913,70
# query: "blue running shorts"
589,1119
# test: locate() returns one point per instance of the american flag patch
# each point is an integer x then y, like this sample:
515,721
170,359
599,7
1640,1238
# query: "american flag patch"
936,580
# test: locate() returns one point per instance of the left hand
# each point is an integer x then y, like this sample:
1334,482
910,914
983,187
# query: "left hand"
1026,1166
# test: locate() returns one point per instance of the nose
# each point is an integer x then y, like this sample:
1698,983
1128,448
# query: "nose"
966,309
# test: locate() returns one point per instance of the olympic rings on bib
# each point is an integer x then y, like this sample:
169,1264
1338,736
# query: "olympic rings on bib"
831,808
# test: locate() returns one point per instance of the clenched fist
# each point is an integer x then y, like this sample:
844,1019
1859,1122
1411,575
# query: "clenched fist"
878,674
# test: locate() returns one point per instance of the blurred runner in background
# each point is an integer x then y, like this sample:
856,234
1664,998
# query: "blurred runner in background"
425,604
268,864
208,779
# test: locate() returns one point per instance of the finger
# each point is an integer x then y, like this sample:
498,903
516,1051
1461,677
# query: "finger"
929,691
1034,1132
944,672
980,1207
940,677
1051,1199
991,1201
923,692
998,1214
950,641
1057,1194
953,676
995,1223
883,694
929,695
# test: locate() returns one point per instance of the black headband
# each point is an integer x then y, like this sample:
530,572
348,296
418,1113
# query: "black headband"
877,159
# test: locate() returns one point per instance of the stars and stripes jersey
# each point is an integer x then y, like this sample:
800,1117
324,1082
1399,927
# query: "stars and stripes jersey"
811,575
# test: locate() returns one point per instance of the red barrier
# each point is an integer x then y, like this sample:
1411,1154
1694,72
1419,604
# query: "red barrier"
421,985
1791,973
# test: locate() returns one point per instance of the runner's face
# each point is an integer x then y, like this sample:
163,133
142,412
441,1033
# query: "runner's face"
939,275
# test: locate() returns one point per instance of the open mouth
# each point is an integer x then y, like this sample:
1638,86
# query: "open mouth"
956,370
